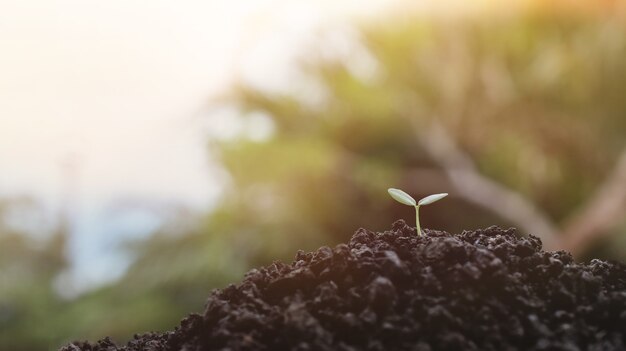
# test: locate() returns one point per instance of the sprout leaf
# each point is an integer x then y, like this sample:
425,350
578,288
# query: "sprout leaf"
406,199
401,197
430,199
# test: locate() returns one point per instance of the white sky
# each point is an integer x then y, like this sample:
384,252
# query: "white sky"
118,86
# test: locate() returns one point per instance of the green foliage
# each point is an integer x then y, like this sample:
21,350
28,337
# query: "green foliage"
27,270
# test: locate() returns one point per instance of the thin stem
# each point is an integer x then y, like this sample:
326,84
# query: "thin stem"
417,220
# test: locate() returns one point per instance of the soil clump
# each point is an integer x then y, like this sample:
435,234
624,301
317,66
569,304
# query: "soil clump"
489,289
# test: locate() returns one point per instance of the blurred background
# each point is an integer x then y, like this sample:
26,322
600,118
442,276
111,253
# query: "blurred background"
151,151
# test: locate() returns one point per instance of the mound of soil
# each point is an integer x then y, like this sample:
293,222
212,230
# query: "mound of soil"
488,289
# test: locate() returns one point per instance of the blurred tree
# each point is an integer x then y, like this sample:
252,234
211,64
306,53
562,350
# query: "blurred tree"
28,267
520,118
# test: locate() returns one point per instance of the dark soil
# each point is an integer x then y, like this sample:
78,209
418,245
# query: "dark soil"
488,289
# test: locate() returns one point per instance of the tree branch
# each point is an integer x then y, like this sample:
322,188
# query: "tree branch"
480,190
598,216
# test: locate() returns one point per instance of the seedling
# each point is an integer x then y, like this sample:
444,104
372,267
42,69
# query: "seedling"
406,199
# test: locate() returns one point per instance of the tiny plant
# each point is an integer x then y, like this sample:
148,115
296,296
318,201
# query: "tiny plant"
406,199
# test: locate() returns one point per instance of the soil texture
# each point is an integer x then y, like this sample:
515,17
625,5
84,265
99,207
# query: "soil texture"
488,289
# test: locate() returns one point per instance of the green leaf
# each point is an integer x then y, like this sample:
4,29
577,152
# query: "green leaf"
431,198
401,196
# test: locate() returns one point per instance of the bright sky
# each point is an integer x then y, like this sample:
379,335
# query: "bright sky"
119,89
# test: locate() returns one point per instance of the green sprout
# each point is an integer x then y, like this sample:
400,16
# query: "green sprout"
406,199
